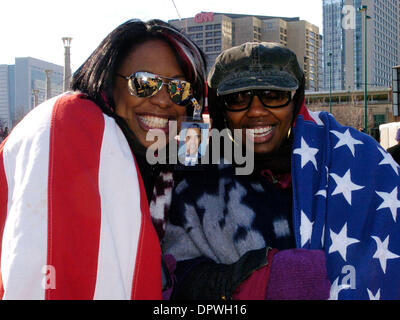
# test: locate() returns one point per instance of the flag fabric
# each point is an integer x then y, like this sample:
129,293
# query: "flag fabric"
74,217
352,213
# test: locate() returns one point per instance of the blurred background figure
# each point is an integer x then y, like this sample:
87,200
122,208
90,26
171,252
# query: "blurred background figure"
395,150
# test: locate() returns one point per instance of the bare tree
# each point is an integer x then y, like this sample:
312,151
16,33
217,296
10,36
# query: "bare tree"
18,115
3,124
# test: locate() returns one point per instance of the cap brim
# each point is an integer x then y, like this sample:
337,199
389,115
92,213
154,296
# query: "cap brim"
270,82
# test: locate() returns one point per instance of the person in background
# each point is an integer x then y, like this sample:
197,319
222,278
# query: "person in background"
318,217
395,150
75,186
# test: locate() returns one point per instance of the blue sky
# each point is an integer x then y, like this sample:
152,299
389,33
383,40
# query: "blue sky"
35,28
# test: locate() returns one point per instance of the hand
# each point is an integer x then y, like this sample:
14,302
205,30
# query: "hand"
212,281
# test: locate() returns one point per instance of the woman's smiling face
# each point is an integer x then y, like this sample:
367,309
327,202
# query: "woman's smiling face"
266,127
143,114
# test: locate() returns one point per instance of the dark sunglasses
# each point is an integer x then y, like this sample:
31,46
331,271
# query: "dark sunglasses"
240,101
144,85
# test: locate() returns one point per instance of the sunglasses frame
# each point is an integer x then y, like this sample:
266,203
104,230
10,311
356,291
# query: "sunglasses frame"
157,77
258,93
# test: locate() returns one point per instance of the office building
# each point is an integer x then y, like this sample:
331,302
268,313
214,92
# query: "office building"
344,43
7,87
25,85
321,65
215,32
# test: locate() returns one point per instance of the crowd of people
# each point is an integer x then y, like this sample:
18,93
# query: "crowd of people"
82,206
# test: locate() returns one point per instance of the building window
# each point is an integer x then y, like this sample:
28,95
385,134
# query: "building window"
196,28
379,119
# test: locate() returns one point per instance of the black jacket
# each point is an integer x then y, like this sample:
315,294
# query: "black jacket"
395,152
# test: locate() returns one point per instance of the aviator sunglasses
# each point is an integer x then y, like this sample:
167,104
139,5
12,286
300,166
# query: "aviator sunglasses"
240,101
144,85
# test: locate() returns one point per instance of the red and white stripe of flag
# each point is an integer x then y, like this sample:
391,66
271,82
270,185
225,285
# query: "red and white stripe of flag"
74,218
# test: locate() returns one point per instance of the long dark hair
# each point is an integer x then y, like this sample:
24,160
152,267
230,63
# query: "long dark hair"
95,76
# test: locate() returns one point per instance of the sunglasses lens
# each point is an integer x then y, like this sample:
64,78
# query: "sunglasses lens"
238,100
274,98
180,91
144,85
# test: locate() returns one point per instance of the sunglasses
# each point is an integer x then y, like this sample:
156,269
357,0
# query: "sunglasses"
144,85
240,101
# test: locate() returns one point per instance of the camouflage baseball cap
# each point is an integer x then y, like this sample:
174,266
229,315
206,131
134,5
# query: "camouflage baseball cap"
255,65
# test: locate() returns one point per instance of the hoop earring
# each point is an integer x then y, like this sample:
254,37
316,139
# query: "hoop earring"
289,133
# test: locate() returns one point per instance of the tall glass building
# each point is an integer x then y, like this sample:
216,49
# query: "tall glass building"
24,85
344,43
333,44
7,99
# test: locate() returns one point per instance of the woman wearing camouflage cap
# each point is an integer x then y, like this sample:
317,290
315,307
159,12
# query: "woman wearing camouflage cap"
316,219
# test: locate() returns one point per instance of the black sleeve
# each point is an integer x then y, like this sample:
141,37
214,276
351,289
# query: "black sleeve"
204,279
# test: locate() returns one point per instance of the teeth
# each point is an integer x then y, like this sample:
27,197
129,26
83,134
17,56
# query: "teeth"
260,131
154,122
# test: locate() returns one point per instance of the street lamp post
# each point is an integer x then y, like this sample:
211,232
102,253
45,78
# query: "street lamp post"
67,63
48,83
363,9
35,93
330,82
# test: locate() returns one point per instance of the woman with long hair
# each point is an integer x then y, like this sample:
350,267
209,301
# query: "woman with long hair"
75,185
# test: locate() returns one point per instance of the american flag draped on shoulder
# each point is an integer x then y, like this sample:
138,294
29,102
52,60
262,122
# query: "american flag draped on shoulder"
353,212
74,218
